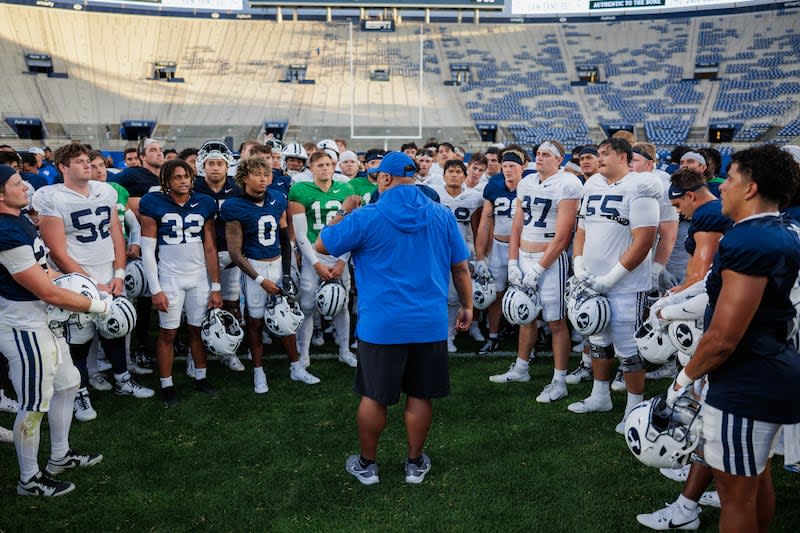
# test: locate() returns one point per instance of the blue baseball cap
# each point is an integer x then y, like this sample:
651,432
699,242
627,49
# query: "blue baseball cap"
6,173
396,164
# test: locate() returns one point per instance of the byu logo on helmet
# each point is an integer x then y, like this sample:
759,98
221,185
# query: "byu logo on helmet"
684,335
634,442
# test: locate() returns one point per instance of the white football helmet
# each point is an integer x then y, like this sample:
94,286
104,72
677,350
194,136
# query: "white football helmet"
484,292
220,332
588,311
213,149
76,283
119,321
328,144
293,151
282,316
275,144
685,334
135,280
331,298
653,342
570,286
664,437
521,306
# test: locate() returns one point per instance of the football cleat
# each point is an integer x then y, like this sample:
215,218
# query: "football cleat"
303,376
591,404
673,516
260,383
349,359
555,390
582,373
618,383
511,375
492,345
7,404
128,387
99,382
82,406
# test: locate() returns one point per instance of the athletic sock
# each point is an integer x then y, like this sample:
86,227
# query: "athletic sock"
365,462
417,461
27,432
60,419
166,382
125,376
521,365
633,401
600,389
559,375
200,373
686,505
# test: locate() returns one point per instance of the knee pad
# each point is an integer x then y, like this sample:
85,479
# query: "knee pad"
601,352
631,364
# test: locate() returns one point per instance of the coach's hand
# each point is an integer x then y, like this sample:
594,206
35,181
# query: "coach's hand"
463,319
338,270
351,202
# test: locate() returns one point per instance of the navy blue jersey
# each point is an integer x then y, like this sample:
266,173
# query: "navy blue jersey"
37,181
761,377
137,181
793,212
260,223
708,217
280,182
504,202
16,231
178,224
229,190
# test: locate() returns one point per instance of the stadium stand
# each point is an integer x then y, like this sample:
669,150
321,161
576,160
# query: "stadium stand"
523,77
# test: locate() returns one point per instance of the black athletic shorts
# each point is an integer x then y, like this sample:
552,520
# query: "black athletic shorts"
417,369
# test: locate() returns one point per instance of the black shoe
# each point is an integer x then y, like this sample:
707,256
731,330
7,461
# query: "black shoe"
169,396
202,385
492,345
72,459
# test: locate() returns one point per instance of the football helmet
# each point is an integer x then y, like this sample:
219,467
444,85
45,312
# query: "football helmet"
220,332
484,292
588,311
213,149
685,334
331,298
653,342
119,321
294,150
135,281
76,283
521,306
275,144
282,315
328,144
662,436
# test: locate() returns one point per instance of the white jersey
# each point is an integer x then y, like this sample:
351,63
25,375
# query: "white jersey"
307,176
87,221
539,201
463,206
606,219
668,213
431,180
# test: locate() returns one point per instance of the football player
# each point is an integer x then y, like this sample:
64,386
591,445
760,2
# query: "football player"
466,205
616,232
179,224
79,225
499,206
258,237
213,161
311,206
547,203
40,367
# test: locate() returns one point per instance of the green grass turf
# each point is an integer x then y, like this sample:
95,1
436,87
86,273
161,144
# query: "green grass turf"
241,462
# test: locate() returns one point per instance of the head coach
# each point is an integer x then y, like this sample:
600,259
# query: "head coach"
404,248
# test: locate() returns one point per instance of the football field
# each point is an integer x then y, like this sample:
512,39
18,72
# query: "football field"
242,462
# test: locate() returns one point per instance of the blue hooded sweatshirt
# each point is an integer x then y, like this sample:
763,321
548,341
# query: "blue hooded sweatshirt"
402,249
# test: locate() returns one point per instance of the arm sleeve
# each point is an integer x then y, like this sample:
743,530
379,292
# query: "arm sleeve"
17,259
134,228
286,251
149,263
690,309
644,212
301,236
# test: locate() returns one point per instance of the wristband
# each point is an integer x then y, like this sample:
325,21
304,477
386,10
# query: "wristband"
259,280
216,287
119,273
98,306
682,379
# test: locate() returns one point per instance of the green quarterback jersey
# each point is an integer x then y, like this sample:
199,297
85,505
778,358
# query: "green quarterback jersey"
364,188
122,204
320,206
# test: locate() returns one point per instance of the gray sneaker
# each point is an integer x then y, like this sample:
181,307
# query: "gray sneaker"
368,475
416,474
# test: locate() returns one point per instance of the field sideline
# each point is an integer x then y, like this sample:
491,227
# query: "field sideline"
241,462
